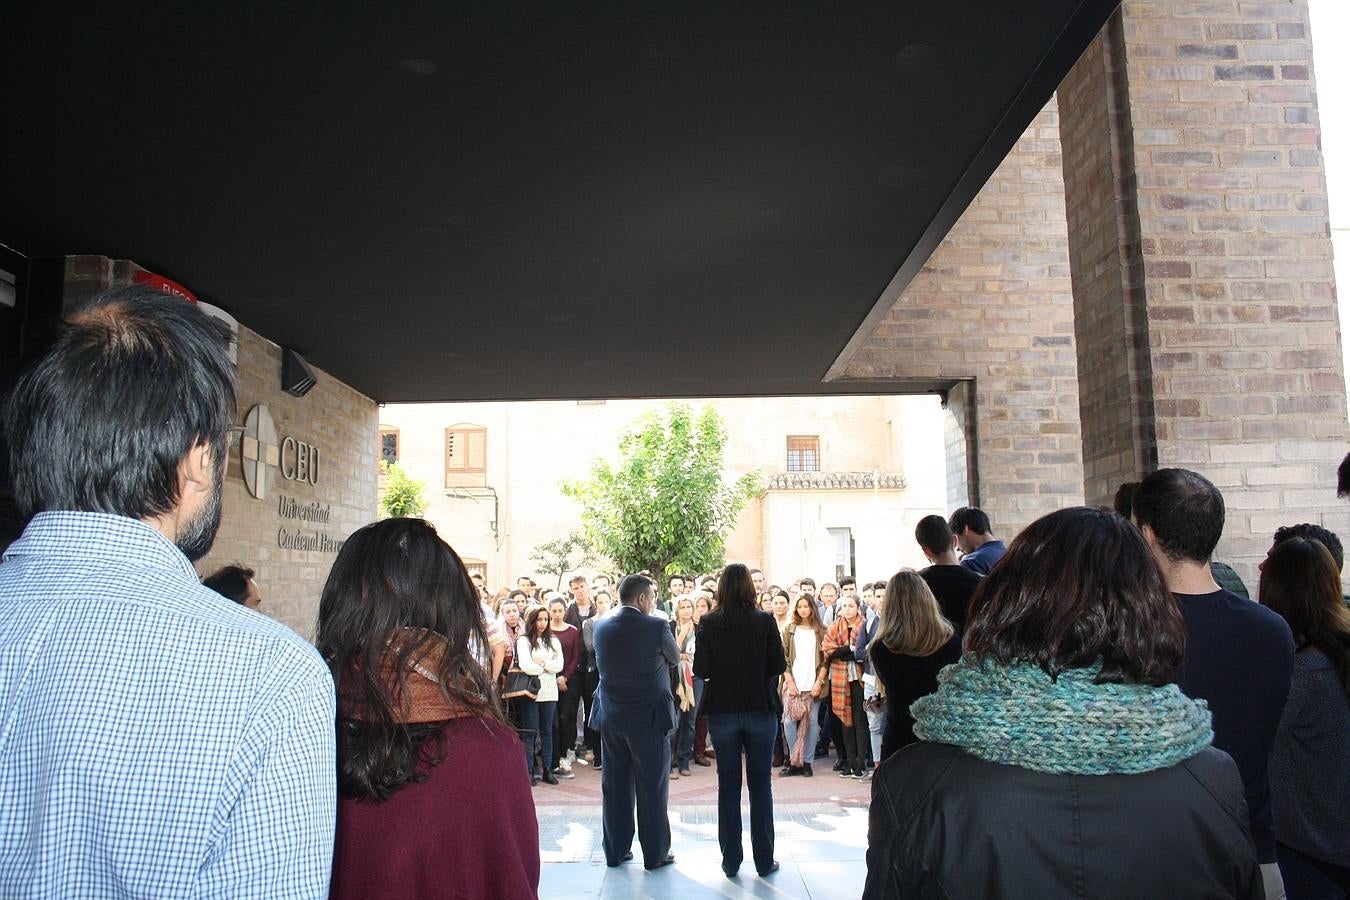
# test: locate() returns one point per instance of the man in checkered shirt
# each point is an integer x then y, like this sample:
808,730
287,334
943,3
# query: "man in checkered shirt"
156,739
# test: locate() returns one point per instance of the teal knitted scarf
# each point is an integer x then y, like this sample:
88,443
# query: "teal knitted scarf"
1018,716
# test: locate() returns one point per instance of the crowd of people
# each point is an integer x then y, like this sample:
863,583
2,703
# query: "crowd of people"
1083,712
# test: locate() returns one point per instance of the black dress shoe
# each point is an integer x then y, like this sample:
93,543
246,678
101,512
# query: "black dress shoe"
627,857
668,861
548,777
765,873
730,871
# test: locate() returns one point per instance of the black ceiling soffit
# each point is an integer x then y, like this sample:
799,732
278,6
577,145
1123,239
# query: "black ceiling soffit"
526,201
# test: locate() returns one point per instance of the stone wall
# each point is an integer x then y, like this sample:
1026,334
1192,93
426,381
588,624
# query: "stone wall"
993,306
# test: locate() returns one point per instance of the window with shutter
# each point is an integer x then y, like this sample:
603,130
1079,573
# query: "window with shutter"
465,455
803,453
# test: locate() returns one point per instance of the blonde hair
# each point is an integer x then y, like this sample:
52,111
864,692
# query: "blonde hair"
912,624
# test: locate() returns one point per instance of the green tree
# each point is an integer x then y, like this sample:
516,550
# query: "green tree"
561,556
666,505
400,494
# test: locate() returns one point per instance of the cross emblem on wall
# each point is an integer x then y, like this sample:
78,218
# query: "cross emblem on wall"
259,451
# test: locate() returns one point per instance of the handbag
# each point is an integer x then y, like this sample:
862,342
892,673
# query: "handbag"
521,684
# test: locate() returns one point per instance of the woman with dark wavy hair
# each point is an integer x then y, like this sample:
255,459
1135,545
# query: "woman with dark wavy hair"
421,733
1057,758
1311,752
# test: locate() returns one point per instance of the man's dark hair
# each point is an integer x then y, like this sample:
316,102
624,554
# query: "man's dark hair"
1343,477
933,534
230,582
806,581
735,590
100,422
846,581
971,517
756,572
1123,502
634,586
1184,510
1076,586
1311,532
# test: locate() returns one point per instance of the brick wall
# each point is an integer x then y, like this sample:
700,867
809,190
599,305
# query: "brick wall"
1110,311
342,424
1221,132
993,304
958,439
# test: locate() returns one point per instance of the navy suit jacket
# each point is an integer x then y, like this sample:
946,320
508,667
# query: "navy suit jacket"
634,653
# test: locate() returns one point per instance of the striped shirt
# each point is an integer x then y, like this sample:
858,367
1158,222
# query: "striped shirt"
156,739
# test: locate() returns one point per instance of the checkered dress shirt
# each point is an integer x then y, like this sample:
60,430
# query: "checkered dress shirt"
156,739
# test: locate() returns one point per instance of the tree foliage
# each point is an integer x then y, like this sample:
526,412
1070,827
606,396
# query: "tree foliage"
401,494
562,556
665,506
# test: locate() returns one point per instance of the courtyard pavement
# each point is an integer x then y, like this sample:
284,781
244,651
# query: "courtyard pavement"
821,841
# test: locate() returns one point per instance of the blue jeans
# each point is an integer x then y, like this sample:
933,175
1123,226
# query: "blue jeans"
751,734
682,742
790,729
538,718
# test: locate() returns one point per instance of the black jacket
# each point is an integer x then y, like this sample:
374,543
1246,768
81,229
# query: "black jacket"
946,824
739,654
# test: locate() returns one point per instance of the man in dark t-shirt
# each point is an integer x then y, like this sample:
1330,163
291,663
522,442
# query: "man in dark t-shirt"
951,583
1239,655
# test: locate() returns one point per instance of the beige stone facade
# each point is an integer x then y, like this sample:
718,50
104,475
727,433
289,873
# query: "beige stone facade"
532,447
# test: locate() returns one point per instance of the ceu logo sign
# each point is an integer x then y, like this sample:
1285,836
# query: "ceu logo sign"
261,455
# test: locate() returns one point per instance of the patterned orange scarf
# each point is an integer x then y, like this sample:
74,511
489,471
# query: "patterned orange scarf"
417,696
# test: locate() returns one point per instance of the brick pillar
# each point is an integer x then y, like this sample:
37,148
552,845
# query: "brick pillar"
1196,124
1110,313
992,311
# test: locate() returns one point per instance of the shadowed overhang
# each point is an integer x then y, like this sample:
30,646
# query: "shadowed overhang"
515,201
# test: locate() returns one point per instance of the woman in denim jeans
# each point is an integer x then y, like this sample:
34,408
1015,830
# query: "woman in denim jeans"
539,653
739,655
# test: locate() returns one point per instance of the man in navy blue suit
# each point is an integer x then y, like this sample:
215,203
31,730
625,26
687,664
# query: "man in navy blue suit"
634,712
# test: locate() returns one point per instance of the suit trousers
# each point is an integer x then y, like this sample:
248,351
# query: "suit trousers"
752,735
636,771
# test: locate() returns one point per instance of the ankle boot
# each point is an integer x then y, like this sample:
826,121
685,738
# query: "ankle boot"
807,770
548,777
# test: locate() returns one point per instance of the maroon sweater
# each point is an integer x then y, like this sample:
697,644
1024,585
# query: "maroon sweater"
468,831
570,639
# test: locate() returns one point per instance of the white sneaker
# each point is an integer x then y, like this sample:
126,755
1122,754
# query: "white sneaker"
565,764
571,757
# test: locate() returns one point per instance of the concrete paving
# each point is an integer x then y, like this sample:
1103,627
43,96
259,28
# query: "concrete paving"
821,841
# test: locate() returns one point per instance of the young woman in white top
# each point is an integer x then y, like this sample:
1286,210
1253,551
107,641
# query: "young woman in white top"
539,653
805,681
